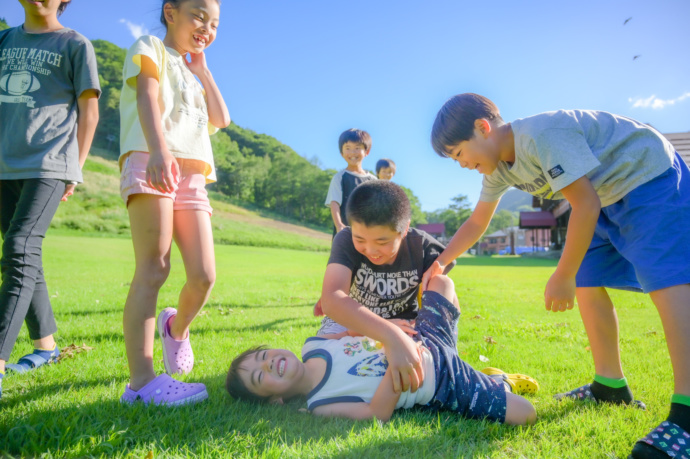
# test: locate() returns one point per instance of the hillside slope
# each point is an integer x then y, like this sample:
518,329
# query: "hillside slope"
96,209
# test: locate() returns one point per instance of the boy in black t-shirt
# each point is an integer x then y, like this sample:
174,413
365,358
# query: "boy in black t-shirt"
374,272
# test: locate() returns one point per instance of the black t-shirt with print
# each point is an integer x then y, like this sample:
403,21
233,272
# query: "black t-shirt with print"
389,291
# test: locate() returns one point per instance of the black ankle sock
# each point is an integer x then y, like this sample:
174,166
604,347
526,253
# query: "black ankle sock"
680,414
621,395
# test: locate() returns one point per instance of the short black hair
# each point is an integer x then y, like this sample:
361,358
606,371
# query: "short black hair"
455,121
62,7
379,203
233,382
354,136
383,163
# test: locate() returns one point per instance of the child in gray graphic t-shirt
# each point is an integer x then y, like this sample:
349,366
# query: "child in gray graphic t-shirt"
49,93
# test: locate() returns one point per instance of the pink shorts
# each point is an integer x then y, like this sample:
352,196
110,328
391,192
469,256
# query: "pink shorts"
189,194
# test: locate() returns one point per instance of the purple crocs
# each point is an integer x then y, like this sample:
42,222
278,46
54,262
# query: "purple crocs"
177,355
164,390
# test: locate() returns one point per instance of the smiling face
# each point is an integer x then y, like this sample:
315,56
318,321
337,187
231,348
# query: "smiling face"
386,173
479,153
380,244
192,25
354,154
274,373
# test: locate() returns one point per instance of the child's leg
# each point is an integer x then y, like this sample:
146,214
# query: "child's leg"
194,237
670,438
41,326
444,286
28,206
519,410
151,219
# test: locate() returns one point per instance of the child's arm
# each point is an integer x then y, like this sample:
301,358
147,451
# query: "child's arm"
464,238
381,406
218,113
87,120
560,290
402,353
162,170
335,214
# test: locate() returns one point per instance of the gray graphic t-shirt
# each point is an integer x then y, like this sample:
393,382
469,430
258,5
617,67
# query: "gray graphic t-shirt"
41,78
389,291
554,149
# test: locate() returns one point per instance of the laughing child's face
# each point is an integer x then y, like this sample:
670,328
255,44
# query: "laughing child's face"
272,373
380,244
386,173
192,26
354,153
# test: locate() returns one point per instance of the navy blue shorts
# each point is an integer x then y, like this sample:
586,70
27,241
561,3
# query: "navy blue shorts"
459,387
642,242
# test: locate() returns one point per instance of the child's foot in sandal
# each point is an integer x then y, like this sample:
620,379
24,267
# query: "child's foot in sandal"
584,394
164,390
37,358
177,354
520,384
667,440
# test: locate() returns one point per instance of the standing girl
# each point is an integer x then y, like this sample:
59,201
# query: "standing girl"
48,115
166,161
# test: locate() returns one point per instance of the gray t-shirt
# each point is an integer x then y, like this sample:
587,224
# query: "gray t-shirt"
41,78
554,149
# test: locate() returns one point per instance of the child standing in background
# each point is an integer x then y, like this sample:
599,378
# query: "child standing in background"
166,161
48,116
385,169
354,146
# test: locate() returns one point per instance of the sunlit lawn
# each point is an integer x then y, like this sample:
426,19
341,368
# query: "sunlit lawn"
266,296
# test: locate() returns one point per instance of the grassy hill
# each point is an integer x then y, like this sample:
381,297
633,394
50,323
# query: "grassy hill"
96,209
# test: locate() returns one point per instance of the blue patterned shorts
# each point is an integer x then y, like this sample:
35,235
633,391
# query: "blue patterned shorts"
459,387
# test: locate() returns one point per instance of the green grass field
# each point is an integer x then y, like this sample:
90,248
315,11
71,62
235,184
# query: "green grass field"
265,295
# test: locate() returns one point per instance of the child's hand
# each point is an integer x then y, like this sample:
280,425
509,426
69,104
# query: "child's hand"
560,293
405,363
196,63
69,191
162,172
434,270
405,325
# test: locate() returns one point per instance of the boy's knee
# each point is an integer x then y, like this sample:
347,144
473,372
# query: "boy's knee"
443,285
519,410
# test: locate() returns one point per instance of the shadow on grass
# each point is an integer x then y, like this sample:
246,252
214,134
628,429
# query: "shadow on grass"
221,426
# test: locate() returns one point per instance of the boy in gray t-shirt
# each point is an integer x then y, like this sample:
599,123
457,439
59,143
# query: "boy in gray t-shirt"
49,93
627,187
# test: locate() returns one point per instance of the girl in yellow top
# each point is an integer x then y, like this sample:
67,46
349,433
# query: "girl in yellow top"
165,162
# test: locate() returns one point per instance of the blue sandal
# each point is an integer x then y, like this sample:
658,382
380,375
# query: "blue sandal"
668,438
37,358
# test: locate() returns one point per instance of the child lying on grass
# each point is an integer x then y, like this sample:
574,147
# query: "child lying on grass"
348,376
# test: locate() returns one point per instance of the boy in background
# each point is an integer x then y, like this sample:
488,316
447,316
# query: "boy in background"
385,169
49,91
349,376
615,172
373,275
354,145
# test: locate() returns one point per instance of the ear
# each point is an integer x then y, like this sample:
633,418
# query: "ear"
168,13
276,401
407,228
483,126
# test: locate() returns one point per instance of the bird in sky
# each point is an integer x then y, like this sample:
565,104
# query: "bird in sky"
627,20
635,57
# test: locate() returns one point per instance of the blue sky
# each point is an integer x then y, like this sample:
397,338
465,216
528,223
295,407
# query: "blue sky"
305,70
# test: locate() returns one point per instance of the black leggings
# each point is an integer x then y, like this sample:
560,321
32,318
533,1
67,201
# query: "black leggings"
27,207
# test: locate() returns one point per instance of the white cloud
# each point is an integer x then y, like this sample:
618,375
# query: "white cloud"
654,102
137,30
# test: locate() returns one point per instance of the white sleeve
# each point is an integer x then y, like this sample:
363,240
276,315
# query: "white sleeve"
335,190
